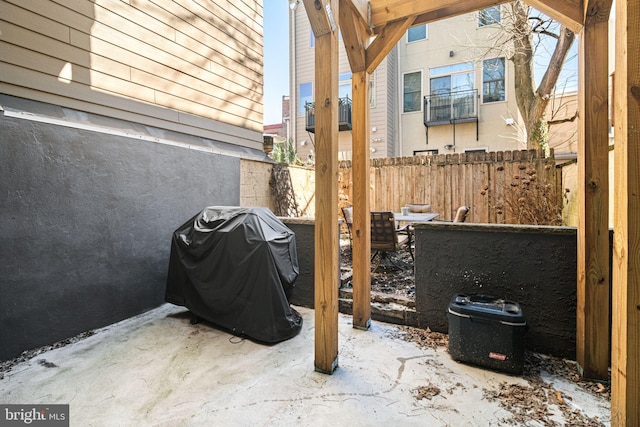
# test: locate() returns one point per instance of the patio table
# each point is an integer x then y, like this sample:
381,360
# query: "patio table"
414,217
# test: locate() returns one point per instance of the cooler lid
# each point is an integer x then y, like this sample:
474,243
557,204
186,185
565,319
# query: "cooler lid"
487,307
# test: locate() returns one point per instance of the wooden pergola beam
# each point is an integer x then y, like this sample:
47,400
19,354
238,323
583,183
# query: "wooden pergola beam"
569,13
385,11
592,296
625,339
323,18
360,10
354,36
456,9
385,41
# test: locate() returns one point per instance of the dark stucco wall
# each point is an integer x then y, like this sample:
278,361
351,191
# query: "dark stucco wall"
304,229
85,225
303,289
534,266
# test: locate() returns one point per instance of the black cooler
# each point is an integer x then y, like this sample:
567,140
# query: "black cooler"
487,332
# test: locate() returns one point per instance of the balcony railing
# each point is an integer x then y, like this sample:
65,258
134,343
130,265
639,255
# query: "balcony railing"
451,108
344,115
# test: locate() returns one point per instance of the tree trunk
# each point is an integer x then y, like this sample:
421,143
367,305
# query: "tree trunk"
532,102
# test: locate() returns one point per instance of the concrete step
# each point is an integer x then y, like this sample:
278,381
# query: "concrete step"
384,308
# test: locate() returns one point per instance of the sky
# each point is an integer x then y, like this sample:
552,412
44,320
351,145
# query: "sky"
276,58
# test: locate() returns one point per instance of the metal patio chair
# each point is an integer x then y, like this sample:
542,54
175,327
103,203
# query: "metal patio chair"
347,213
386,238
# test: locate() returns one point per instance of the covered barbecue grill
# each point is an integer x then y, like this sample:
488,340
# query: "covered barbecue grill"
236,268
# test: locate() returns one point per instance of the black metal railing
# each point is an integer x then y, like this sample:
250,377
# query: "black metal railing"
344,115
451,107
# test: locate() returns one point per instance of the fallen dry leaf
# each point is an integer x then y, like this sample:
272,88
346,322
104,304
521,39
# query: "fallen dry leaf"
426,392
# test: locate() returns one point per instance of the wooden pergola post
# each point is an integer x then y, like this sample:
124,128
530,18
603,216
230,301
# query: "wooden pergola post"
355,34
593,302
323,16
625,342
361,229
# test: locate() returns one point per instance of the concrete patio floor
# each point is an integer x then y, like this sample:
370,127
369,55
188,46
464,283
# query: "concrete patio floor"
158,369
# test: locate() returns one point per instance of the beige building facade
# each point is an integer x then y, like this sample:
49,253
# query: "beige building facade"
467,97
437,92
178,65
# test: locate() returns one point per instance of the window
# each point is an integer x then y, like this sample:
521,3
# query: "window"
306,95
412,92
425,152
344,85
451,92
416,33
372,90
493,80
489,16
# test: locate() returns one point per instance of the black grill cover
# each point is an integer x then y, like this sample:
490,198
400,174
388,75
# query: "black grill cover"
236,267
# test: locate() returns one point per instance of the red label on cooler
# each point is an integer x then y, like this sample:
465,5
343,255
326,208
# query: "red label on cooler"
497,356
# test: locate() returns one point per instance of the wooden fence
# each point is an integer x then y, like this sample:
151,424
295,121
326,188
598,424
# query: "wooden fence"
491,184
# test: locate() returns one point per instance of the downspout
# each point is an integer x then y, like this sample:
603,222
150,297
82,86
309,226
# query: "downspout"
398,102
293,100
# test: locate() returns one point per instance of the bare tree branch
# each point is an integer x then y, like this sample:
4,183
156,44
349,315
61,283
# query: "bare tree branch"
565,120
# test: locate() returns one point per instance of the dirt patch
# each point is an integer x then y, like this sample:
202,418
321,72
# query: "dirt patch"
425,338
426,392
394,274
7,365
